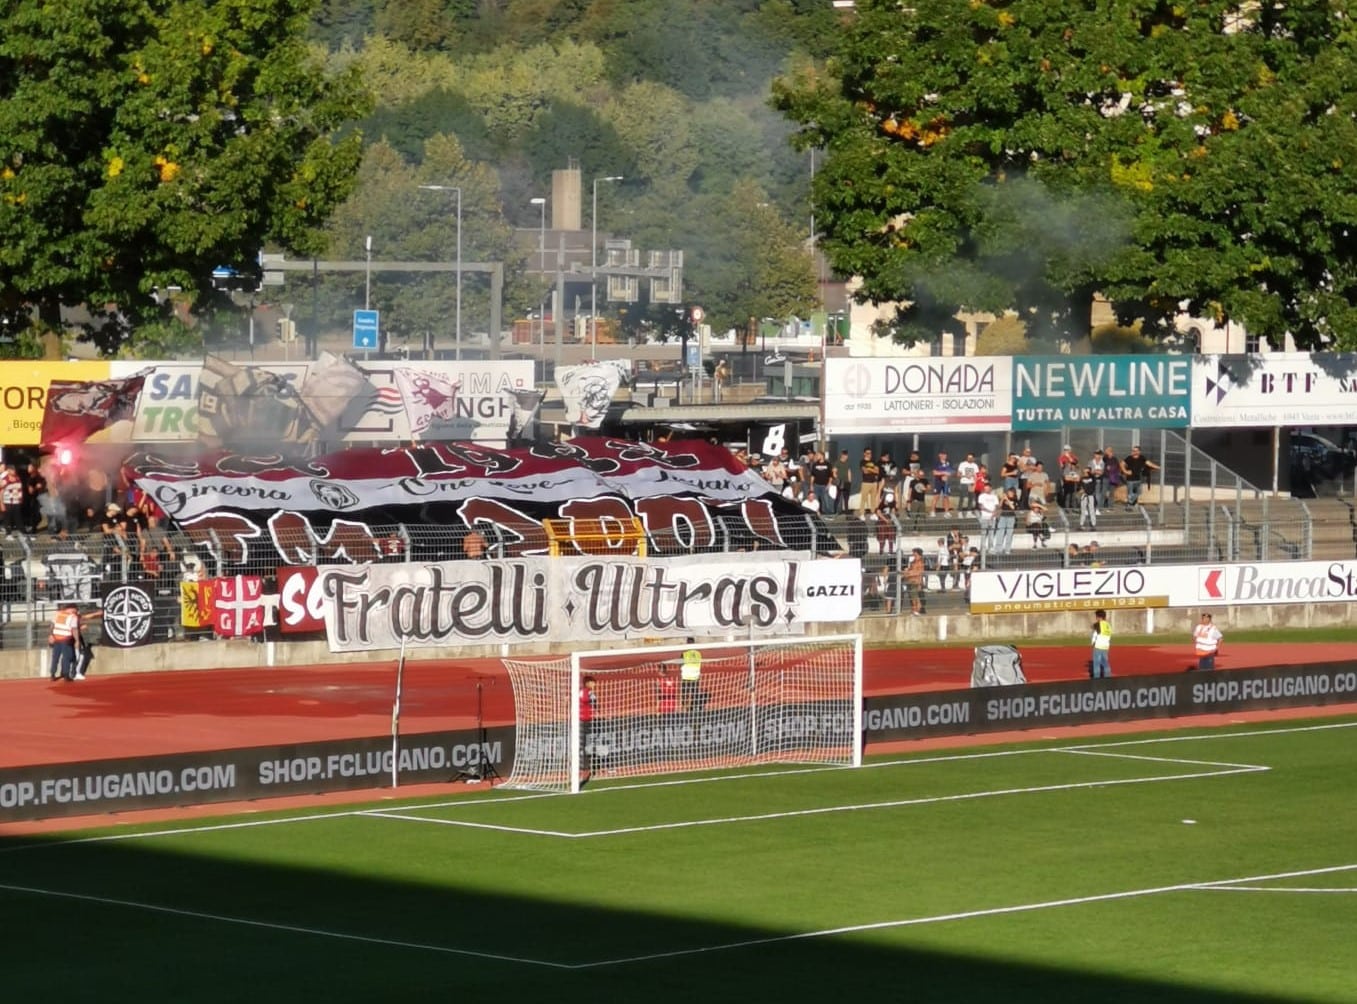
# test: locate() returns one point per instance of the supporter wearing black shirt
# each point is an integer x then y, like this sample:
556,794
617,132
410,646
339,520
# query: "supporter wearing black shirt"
1137,465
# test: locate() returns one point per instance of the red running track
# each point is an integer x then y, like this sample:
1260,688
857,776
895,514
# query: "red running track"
147,714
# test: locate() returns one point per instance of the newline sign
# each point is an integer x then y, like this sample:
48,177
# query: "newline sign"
1129,392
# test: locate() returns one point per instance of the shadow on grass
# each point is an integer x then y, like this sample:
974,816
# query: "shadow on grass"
407,941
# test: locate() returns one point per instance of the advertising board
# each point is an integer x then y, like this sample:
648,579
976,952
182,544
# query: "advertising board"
1273,390
917,394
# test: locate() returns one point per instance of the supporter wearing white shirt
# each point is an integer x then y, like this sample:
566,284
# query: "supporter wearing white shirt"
943,563
965,475
987,507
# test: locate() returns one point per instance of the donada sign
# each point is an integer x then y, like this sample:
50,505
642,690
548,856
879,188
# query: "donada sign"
906,394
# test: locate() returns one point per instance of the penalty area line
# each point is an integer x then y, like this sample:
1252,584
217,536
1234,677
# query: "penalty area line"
267,925
941,918
905,802
1271,888
468,824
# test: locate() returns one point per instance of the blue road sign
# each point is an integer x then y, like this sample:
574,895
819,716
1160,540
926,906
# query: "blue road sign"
365,329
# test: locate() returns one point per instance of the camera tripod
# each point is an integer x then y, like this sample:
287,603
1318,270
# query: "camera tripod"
483,769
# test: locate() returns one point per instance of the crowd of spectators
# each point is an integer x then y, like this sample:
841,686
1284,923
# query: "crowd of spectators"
875,487
1017,499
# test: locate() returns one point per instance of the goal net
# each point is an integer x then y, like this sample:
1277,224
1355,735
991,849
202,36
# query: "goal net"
660,710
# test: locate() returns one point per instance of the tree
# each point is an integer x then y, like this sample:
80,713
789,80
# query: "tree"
407,223
746,260
142,144
1022,155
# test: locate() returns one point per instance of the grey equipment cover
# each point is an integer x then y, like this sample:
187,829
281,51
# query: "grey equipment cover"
997,666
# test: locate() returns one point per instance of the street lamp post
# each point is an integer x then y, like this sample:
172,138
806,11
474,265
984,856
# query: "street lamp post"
593,268
541,203
367,274
457,329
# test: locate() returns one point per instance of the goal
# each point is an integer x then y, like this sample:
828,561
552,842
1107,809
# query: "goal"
634,711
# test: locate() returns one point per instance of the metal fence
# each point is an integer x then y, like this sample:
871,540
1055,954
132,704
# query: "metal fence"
44,571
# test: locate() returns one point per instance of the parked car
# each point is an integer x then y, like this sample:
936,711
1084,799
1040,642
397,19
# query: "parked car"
1317,456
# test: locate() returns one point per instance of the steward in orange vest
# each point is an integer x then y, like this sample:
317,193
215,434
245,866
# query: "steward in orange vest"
65,635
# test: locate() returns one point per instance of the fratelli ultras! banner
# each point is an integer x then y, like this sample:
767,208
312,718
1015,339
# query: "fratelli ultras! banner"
688,497
367,607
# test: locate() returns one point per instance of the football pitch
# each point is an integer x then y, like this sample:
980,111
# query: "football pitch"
1211,865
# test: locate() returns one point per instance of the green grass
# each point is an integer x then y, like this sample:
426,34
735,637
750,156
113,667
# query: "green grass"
1023,873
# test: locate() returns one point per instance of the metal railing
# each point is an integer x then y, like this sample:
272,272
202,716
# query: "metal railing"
43,571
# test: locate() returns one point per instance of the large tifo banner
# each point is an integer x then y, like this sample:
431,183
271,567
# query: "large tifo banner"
1120,588
369,607
688,496
1279,389
335,399
885,395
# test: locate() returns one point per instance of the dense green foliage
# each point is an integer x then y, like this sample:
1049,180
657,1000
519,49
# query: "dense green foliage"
144,143
670,95
148,142
1023,154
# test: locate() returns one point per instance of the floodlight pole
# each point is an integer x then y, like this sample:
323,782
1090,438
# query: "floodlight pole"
457,329
541,203
593,268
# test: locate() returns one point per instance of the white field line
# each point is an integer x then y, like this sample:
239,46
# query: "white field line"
1269,888
139,834
1082,751
271,926
1292,730
384,814
997,911
496,799
672,782
1226,771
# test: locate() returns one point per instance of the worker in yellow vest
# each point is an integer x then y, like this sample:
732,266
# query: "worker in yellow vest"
1101,666
690,678
65,636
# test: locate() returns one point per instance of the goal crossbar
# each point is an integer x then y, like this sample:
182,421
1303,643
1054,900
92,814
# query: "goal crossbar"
662,708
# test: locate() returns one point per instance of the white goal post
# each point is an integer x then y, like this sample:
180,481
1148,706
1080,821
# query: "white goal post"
635,711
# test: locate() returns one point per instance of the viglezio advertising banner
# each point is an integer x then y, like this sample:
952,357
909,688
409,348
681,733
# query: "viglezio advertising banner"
78,789
1119,699
1119,587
